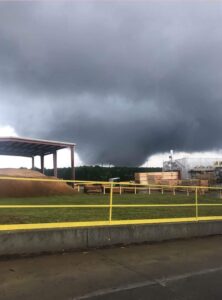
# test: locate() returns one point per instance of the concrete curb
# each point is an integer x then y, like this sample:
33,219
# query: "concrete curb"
57,240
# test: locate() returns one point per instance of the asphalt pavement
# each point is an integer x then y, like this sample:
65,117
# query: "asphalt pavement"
189,269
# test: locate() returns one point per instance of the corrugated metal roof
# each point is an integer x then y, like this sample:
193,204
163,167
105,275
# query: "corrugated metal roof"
19,146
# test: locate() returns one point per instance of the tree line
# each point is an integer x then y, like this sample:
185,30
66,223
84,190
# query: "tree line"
99,173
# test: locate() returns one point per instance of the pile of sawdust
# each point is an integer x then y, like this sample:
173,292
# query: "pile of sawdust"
20,188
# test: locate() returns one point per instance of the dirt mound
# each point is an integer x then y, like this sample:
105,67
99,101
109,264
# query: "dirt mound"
21,173
20,188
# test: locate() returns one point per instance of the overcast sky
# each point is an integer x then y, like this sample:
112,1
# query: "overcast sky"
124,80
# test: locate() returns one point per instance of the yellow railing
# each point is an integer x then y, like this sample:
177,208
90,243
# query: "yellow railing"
128,196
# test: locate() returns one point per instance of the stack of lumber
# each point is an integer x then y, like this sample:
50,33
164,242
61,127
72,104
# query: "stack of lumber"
208,176
169,178
116,189
194,182
141,178
171,182
129,189
204,182
158,178
93,188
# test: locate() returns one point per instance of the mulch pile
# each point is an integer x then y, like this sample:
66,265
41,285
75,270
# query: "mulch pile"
19,188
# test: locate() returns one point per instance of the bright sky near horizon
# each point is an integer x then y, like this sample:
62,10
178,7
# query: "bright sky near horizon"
155,160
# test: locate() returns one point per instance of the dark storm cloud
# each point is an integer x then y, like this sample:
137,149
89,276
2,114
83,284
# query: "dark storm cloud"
122,80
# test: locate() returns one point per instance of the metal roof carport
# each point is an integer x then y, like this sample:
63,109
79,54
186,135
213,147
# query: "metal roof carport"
27,147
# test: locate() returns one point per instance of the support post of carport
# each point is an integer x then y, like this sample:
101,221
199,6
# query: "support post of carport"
72,164
55,164
33,162
42,164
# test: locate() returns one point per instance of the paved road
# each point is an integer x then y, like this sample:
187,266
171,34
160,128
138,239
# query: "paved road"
189,269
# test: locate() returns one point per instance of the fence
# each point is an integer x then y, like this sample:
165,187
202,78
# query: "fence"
93,203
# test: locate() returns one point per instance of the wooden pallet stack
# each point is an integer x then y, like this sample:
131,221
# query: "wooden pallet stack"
141,178
157,178
170,178
93,189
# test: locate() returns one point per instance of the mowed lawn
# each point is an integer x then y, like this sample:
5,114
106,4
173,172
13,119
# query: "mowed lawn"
59,214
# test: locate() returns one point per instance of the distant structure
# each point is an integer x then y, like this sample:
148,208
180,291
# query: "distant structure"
195,167
26,147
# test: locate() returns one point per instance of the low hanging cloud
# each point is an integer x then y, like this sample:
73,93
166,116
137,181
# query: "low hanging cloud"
122,80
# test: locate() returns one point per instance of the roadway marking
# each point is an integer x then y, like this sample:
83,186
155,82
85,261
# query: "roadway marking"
162,281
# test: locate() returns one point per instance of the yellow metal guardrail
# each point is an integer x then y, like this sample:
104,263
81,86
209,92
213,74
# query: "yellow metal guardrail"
113,189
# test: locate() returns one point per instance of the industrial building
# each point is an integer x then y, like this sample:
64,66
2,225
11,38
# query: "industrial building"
196,168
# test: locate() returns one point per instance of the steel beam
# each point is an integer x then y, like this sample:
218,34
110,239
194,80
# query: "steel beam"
55,164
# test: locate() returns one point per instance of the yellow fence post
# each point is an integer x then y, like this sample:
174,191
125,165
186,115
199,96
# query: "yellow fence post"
196,202
111,202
